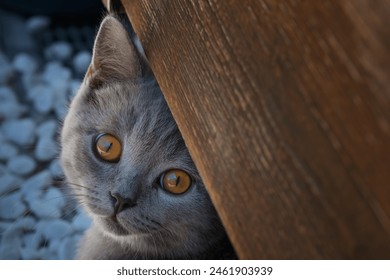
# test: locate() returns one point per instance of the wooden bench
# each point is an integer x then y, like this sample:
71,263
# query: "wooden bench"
284,106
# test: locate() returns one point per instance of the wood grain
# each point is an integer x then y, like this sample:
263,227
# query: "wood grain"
284,106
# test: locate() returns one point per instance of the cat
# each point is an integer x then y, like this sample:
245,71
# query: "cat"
126,162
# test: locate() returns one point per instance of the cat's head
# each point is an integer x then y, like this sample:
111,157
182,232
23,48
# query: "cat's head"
125,159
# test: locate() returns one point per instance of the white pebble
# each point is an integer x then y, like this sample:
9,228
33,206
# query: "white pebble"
49,205
30,80
12,238
61,107
32,246
11,109
46,148
25,63
26,124
56,75
67,248
74,87
9,183
20,131
19,226
56,169
59,51
48,128
4,226
34,90
30,254
33,188
37,24
54,245
21,165
9,105
56,196
54,229
32,241
81,62
7,150
45,209
43,100
48,255
10,248
11,206
7,94
81,222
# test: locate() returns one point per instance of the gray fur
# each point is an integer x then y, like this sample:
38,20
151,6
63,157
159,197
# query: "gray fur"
114,98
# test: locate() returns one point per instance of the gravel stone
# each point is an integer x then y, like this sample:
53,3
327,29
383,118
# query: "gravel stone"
67,248
11,206
34,187
7,150
21,165
31,80
54,247
81,222
37,24
9,183
35,90
61,107
47,128
61,51
43,209
56,75
56,169
11,244
49,205
37,81
32,241
7,94
20,131
81,62
55,196
9,105
54,229
25,63
30,254
10,248
46,148
74,87
4,226
43,99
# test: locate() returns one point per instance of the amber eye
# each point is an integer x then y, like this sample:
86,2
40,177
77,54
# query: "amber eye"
108,147
176,181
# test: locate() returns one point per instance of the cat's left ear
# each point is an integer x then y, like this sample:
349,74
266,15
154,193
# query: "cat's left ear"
115,57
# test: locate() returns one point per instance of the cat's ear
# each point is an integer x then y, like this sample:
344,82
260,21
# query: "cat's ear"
115,57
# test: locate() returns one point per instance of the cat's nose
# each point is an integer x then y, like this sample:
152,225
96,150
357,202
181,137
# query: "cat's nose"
121,203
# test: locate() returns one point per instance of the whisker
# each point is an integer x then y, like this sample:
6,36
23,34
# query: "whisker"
154,243
65,183
78,185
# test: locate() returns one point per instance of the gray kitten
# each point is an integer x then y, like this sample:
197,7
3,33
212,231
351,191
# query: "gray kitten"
127,163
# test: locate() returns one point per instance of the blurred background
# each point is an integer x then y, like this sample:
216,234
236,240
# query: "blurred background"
45,49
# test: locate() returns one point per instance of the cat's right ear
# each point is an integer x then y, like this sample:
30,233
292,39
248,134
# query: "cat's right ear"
114,58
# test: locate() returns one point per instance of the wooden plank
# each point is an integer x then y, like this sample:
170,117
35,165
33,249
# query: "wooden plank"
284,106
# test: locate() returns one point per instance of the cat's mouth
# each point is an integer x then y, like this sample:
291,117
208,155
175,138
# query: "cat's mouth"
114,226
